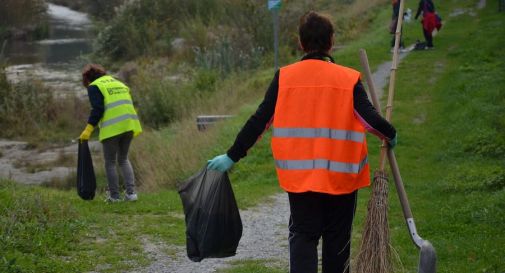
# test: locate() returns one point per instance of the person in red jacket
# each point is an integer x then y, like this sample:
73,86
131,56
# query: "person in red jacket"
319,112
430,20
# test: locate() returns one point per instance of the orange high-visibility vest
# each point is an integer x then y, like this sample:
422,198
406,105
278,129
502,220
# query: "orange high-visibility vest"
318,143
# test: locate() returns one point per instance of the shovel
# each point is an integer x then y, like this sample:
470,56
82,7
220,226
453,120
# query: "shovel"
427,256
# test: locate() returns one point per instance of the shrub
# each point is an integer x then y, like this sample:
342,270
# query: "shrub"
226,58
147,27
164,101
27,15
140,28
29,110
23,107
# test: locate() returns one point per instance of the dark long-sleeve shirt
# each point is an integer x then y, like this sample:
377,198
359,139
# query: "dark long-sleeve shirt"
97,105
425,6
261,119
396,9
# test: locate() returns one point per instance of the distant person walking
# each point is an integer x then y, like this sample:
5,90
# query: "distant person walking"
430,20
320,113
394,22
113,112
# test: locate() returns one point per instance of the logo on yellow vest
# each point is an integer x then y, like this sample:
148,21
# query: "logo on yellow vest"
117,90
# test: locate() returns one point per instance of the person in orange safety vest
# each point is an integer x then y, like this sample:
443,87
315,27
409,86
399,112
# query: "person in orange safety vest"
319,112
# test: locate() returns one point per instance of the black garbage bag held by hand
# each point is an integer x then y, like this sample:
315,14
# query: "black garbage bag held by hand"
213,224
86,181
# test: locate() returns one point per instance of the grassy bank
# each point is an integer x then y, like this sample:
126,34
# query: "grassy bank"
449,114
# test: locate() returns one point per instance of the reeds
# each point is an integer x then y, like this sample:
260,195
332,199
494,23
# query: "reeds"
30,111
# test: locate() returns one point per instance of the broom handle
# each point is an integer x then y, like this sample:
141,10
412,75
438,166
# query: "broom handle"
392,80
402,195
369,80
407,213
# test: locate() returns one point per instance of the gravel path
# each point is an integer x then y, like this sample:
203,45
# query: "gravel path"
264,236
381,75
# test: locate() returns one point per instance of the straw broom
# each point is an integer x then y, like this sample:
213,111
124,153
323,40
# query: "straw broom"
374,255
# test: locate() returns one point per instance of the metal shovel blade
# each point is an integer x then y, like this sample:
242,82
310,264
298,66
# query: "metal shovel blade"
427,258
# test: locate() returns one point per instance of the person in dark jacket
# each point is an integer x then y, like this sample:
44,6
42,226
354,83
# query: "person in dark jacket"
394,22
319,112
430,20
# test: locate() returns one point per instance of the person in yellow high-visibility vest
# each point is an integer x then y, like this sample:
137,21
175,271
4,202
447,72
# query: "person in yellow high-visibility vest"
113,112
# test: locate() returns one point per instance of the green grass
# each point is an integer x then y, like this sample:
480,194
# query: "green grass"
252,266
449,114
452,161
46,230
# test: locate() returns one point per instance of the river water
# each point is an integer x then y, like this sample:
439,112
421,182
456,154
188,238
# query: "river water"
57,60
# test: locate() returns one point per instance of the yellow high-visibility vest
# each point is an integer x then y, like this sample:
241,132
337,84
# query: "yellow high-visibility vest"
119,115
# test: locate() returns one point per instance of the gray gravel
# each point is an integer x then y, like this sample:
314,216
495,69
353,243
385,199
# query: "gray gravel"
15,156
265,236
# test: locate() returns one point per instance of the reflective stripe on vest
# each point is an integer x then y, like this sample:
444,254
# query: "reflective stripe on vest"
119,116
333,166
319,132
318,143
118,103
118,119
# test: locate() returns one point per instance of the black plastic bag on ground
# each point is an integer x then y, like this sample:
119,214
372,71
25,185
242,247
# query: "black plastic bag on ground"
86,181
213,224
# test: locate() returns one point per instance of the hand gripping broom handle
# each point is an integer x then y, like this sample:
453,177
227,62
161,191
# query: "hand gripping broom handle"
402,195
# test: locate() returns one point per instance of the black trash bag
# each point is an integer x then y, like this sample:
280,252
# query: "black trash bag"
213,224
86,181
420,45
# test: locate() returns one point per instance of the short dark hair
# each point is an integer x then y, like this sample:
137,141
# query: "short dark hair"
91,72
315,32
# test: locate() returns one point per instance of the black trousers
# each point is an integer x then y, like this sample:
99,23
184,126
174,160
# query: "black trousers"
428,37
401,39
315,215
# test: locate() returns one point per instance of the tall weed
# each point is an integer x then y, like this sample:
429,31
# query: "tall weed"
140,28
225,58
143,28
164,158
27,15
29,110
164,101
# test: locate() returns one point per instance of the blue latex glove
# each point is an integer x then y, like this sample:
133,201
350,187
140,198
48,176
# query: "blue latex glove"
220,163
392,142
